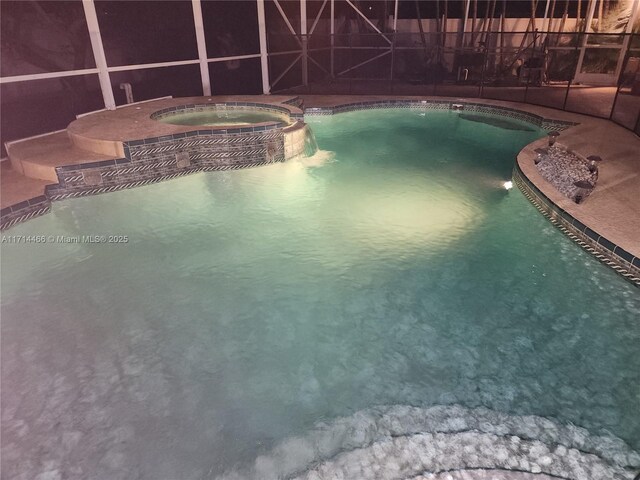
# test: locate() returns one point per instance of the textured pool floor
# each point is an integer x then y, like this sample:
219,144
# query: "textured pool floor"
248,306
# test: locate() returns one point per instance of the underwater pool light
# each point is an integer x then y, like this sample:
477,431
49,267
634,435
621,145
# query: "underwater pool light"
508,185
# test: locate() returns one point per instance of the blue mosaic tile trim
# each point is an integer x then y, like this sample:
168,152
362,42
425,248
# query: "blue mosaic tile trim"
23,211
62,194
158,157
223,106
603,249
544,123
151,160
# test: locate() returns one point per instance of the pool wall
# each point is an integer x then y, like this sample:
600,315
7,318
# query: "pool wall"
546,124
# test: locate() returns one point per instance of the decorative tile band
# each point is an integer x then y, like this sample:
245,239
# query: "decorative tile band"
603,249
285,112
62,195
544,123
155,159
11,215
146,160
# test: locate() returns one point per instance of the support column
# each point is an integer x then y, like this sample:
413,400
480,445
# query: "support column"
466,18
98,54
395,17
264,59
333,31
305,42
202,47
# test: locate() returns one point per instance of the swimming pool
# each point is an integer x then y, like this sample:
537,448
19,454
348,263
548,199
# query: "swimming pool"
261,320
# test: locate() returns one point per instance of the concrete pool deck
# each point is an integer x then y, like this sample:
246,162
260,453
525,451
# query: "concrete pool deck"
612,210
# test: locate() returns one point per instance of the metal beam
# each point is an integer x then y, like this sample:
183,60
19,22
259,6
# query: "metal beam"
284,52
368,21
466,18
395,17
202,47
315,22
264,59
546,12
142,66
98,54
286,20
286,70
365,62
333,31
42,76
318,65
305,41
233,57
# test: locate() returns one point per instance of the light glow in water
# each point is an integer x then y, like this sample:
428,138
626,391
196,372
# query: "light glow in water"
389,268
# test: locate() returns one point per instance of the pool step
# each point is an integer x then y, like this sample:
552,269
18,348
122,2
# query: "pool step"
404,442
425,455
38,157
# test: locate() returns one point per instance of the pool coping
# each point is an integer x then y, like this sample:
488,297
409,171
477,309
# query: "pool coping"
597,245
88,178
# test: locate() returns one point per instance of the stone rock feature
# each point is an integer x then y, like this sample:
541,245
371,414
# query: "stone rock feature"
567,171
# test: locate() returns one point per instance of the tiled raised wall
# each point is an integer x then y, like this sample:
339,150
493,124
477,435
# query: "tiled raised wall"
155,159
606,251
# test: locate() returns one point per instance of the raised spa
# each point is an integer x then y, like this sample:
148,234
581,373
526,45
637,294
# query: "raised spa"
222,115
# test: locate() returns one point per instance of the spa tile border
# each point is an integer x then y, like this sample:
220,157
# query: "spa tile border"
208,106
600,247
546,124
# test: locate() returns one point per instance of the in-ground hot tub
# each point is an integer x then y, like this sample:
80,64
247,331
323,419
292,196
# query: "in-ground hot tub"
232,114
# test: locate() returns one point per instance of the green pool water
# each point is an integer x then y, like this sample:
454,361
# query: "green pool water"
391,268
